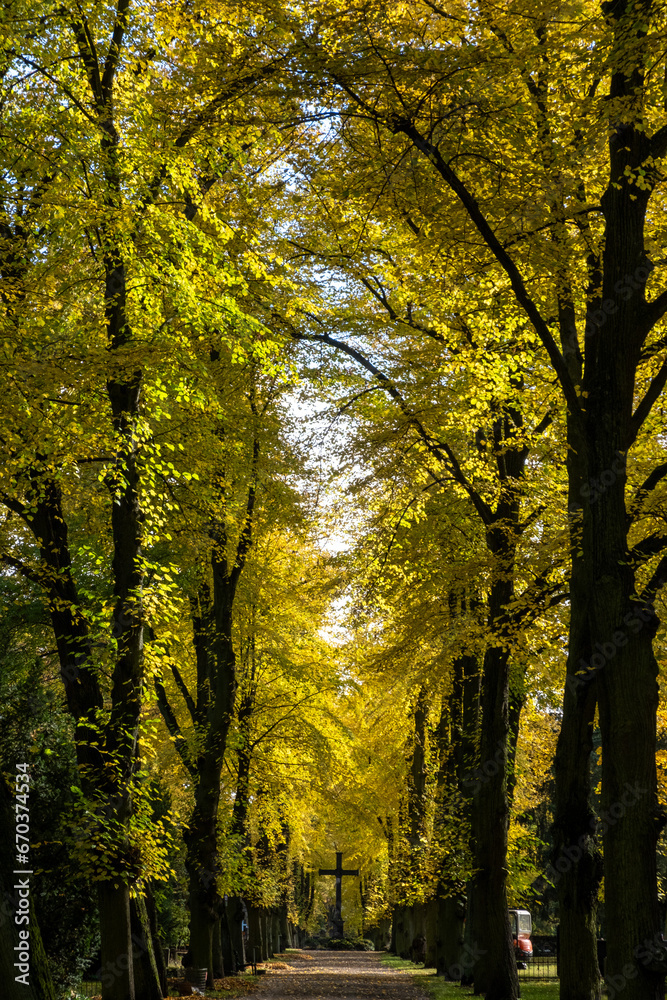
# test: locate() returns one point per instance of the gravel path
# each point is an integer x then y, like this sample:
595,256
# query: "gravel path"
343,975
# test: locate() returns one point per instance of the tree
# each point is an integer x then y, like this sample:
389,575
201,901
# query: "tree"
86,217
577,259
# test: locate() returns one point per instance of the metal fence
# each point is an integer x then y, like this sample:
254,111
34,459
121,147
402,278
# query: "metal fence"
89,989
540,967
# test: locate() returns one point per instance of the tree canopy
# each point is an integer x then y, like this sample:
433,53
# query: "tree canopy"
333,483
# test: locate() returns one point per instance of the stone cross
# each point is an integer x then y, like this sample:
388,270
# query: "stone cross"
338,871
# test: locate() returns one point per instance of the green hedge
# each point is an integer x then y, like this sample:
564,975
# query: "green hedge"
340,944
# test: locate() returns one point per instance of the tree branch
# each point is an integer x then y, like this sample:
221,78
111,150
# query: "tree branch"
27,571
380,296
647,547
396,124
113,55
654,311
245,537
88,52
205,115
488,235
173,728
441,451
657,581
187,697
16,506
658,143
646,404
649,484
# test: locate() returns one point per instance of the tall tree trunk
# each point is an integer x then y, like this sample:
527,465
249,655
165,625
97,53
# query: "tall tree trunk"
471,934
278,945
124,388
465,712
417,932
412,821
158,950
268,933
444,918
495,970
267,946
147,984
402,928
622,621
218,954
495,967
431,933
236,914
34,981
417,806
255,946
201,860
622,629
576,866
118,740
117,975
517,702
285,930
227,939
201,933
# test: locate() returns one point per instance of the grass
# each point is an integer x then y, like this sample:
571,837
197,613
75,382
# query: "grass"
441,989
403,965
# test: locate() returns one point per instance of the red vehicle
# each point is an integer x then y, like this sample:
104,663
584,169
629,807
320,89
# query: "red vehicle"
522,927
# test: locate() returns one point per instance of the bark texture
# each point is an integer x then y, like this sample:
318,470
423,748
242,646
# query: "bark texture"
147,985
494,969
576,866
117,967
622,620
